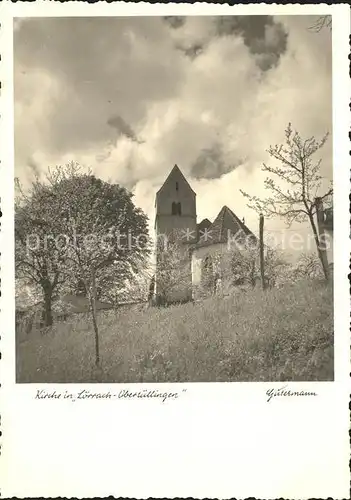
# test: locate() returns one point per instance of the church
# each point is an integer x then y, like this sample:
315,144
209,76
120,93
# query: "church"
187,251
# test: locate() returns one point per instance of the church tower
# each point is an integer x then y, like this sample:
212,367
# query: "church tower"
176,230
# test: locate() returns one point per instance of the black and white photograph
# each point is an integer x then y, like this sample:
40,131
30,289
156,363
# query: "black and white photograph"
173,199
175,243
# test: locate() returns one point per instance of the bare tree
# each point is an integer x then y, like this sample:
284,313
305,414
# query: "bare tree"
173,269
321,23
300,173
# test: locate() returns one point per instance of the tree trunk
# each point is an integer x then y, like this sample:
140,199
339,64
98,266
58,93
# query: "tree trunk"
47,311
93,315
319,250
96,332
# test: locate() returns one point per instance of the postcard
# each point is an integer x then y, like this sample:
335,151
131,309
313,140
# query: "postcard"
174,250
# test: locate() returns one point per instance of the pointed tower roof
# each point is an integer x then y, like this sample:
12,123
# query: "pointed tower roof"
174,175
202,227
225,221
204,224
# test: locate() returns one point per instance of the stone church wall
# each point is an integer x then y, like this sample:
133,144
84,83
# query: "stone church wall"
218,257
225,276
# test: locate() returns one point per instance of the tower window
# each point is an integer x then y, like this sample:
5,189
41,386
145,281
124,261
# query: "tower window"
177,186
176,208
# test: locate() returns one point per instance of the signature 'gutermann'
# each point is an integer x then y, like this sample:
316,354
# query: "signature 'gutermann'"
283,391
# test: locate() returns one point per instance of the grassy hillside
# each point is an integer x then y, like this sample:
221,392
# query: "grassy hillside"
282,334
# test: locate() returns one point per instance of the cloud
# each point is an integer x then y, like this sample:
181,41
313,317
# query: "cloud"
175,22
212,164
34,167
265,38
90,89
102,65
192,51
122,127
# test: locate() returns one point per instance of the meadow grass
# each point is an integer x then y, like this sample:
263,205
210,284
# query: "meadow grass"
282,334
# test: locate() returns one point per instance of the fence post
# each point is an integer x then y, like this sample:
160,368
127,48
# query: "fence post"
262,252
321,234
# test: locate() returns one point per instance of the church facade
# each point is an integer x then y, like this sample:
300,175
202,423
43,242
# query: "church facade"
188,253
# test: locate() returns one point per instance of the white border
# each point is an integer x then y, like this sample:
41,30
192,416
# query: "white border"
217,440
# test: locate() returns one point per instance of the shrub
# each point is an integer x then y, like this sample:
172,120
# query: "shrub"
280,334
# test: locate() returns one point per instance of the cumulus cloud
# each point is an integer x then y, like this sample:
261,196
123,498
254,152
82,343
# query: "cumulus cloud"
104,65
265,38
130,97
212,163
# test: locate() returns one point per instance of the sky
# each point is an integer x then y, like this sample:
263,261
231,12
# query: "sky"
130,97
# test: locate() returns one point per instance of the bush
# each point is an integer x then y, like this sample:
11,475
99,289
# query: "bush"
277,335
